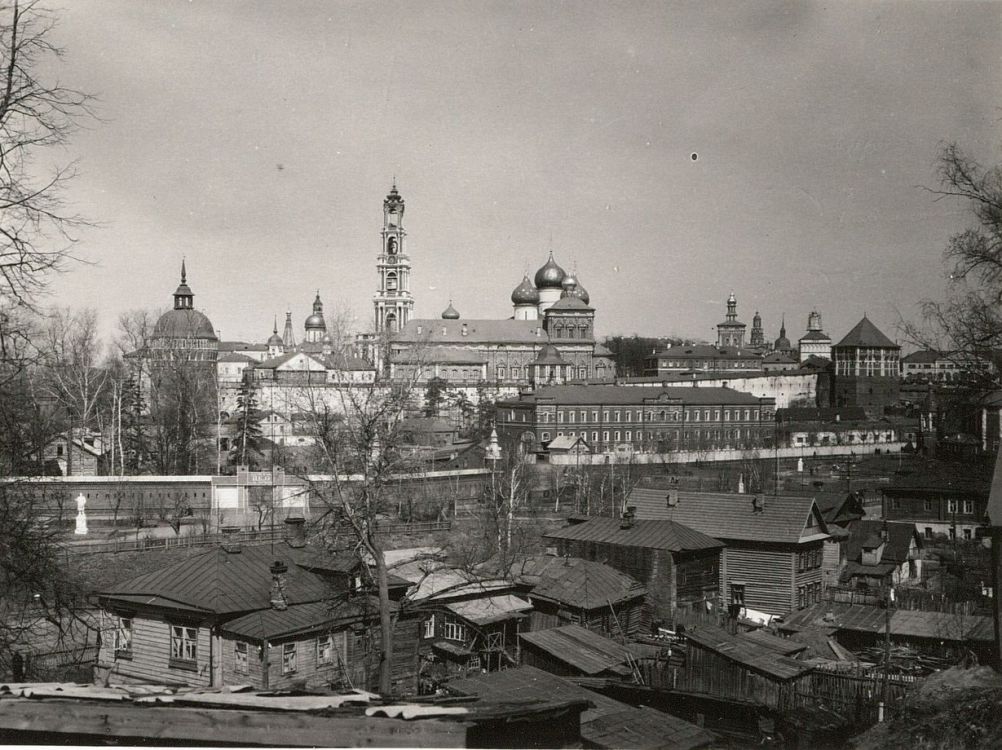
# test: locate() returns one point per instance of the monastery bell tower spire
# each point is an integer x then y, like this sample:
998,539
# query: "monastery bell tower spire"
393,301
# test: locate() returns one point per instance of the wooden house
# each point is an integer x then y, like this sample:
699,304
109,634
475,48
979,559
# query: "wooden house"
270,616
743,668
882,553
774,545
564,590
469,623
678,565
81,454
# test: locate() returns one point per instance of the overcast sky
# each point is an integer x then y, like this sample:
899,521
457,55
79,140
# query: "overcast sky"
258,139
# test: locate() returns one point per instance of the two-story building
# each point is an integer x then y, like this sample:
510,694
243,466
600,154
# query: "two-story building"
939,498
774,546
646,420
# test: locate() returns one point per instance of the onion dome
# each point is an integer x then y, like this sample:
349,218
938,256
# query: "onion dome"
450,313
316,321
525,293
327,339
573,289
550,276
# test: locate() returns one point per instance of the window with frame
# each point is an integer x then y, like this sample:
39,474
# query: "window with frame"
968,507
951,506
325,649
454,631
968,534
738,593
123,637
429,627
290,661
801,597
927,505
474,662
240,657
183,646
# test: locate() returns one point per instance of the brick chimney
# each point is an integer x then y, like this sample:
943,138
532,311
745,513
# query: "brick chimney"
758,504
278,570
626,522
295,531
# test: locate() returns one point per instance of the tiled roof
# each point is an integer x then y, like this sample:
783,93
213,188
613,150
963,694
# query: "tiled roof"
609,724
747,652
614,394
731,516
588,652
651,534
899,534
223,582
575,582
490,608
864,333
436,331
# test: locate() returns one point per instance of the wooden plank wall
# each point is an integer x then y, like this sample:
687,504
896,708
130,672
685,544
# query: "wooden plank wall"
150,660
767,574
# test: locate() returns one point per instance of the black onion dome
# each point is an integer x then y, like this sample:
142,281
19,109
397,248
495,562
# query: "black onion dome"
450,313
550,276
525,293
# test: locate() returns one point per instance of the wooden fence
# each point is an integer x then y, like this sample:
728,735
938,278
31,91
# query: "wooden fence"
905,598
240,537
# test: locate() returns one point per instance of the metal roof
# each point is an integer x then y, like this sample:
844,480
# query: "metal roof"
613,395
578,583
650,534
864,618
588,652
783,519
608,724
302,618
783,646
434,331
899,533
747,652
865,334
490,609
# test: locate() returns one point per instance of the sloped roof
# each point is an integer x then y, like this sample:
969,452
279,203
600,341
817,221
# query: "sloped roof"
222,582
300,618
706,351
438,331
575,582
940,477
864,333
573,395
570,303
441,354
747,652
588,652
566,442
490,609
815,336
731,516
651,534
899,534
783,646
608,724
923,356
235,357
865,618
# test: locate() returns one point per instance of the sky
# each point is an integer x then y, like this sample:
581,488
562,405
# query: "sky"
671,153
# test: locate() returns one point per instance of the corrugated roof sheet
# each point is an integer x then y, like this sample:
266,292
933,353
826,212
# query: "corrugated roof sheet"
588,652
578,583
651,534
490,608
609,724
747,652
731,516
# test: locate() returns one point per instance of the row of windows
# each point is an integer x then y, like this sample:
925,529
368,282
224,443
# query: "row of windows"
628,435
928,505
675,415
808,594
809,559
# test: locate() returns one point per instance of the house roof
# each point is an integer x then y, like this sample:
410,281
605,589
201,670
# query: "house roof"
940,477
566,442
433,580
900,536
608,724
575,582
301,618
440,354
490,609
923,356
865,618
732,517
613,395
235,357
815,336
222,582
707,351
865,334
783,646
650,534
750,653
588,652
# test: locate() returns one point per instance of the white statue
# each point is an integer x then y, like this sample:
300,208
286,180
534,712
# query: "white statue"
800,465
741,484
81,515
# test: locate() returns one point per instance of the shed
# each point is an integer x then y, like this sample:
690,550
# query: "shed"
574,651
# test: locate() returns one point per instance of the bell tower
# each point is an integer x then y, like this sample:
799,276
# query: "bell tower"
393,301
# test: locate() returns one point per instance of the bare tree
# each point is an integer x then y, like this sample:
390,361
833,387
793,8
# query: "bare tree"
74,374
36,116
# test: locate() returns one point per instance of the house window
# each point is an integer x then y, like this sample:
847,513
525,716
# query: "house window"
454,631
967,534
474,662
605,436
544,437
928,532
594,436
617,436
325,650
429,627
951,506
123,637
240,657
738,593
968,507
801,597
927,506
289,661
183,646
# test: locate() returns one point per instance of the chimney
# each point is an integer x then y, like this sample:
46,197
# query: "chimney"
463,331
278,600
626,522
884,533
758,504
672,498
295,531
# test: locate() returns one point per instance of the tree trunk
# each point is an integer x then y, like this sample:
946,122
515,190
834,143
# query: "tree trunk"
385,621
